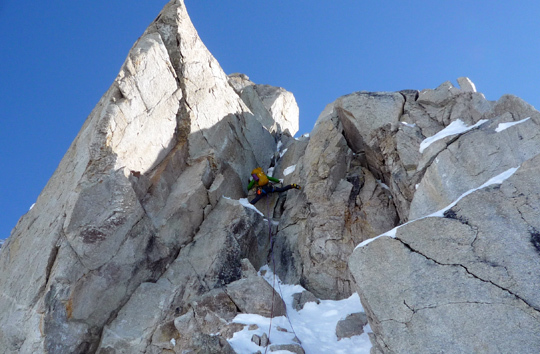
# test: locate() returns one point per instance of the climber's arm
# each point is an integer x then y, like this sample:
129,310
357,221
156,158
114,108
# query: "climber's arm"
275,180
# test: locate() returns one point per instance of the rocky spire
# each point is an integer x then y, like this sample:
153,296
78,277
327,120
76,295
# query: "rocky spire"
153,159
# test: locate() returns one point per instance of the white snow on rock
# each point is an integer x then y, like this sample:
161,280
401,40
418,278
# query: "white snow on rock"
245,202
314,325
500,178
456,127
289,170
503,126
411,125
383,185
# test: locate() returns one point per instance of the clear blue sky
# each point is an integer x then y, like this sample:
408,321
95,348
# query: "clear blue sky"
57,58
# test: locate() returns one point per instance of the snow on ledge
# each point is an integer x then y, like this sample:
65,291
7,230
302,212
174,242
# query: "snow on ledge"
289,170
456,127
410,125
503,126
245,202
500,178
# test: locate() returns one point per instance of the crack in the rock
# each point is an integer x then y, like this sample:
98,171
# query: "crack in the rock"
534,233
471,274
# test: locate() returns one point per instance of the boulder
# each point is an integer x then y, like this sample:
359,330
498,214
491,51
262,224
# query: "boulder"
352,325
300,299
466,84
254,295
439,96
293,348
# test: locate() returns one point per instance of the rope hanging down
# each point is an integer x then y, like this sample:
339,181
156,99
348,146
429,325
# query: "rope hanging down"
274,279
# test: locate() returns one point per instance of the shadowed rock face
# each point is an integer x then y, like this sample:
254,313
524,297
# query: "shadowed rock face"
134,242
152,161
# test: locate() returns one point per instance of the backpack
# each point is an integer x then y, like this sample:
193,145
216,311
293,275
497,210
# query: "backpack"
262,178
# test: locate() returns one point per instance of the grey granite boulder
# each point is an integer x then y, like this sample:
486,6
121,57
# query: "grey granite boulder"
255,295
352,325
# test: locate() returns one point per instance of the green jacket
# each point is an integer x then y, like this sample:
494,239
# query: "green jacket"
253,182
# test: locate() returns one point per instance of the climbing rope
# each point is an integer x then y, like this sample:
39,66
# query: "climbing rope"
274,269
274,279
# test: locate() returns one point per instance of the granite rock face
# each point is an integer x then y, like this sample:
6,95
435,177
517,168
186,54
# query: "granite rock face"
462,281
141,241
459,274
149,166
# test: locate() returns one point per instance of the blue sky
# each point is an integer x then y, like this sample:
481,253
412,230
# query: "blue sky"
57,58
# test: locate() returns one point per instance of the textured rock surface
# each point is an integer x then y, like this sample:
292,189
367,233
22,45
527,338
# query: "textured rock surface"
166,141
352,325
132,247
194,282
275,108
456,281
300,299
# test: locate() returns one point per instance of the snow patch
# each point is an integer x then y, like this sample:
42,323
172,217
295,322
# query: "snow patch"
503,126
413,125
382,184
245,202
500,178
282,153
314,325
456,127
289,170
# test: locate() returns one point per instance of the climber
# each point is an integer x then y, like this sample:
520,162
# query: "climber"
261,180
